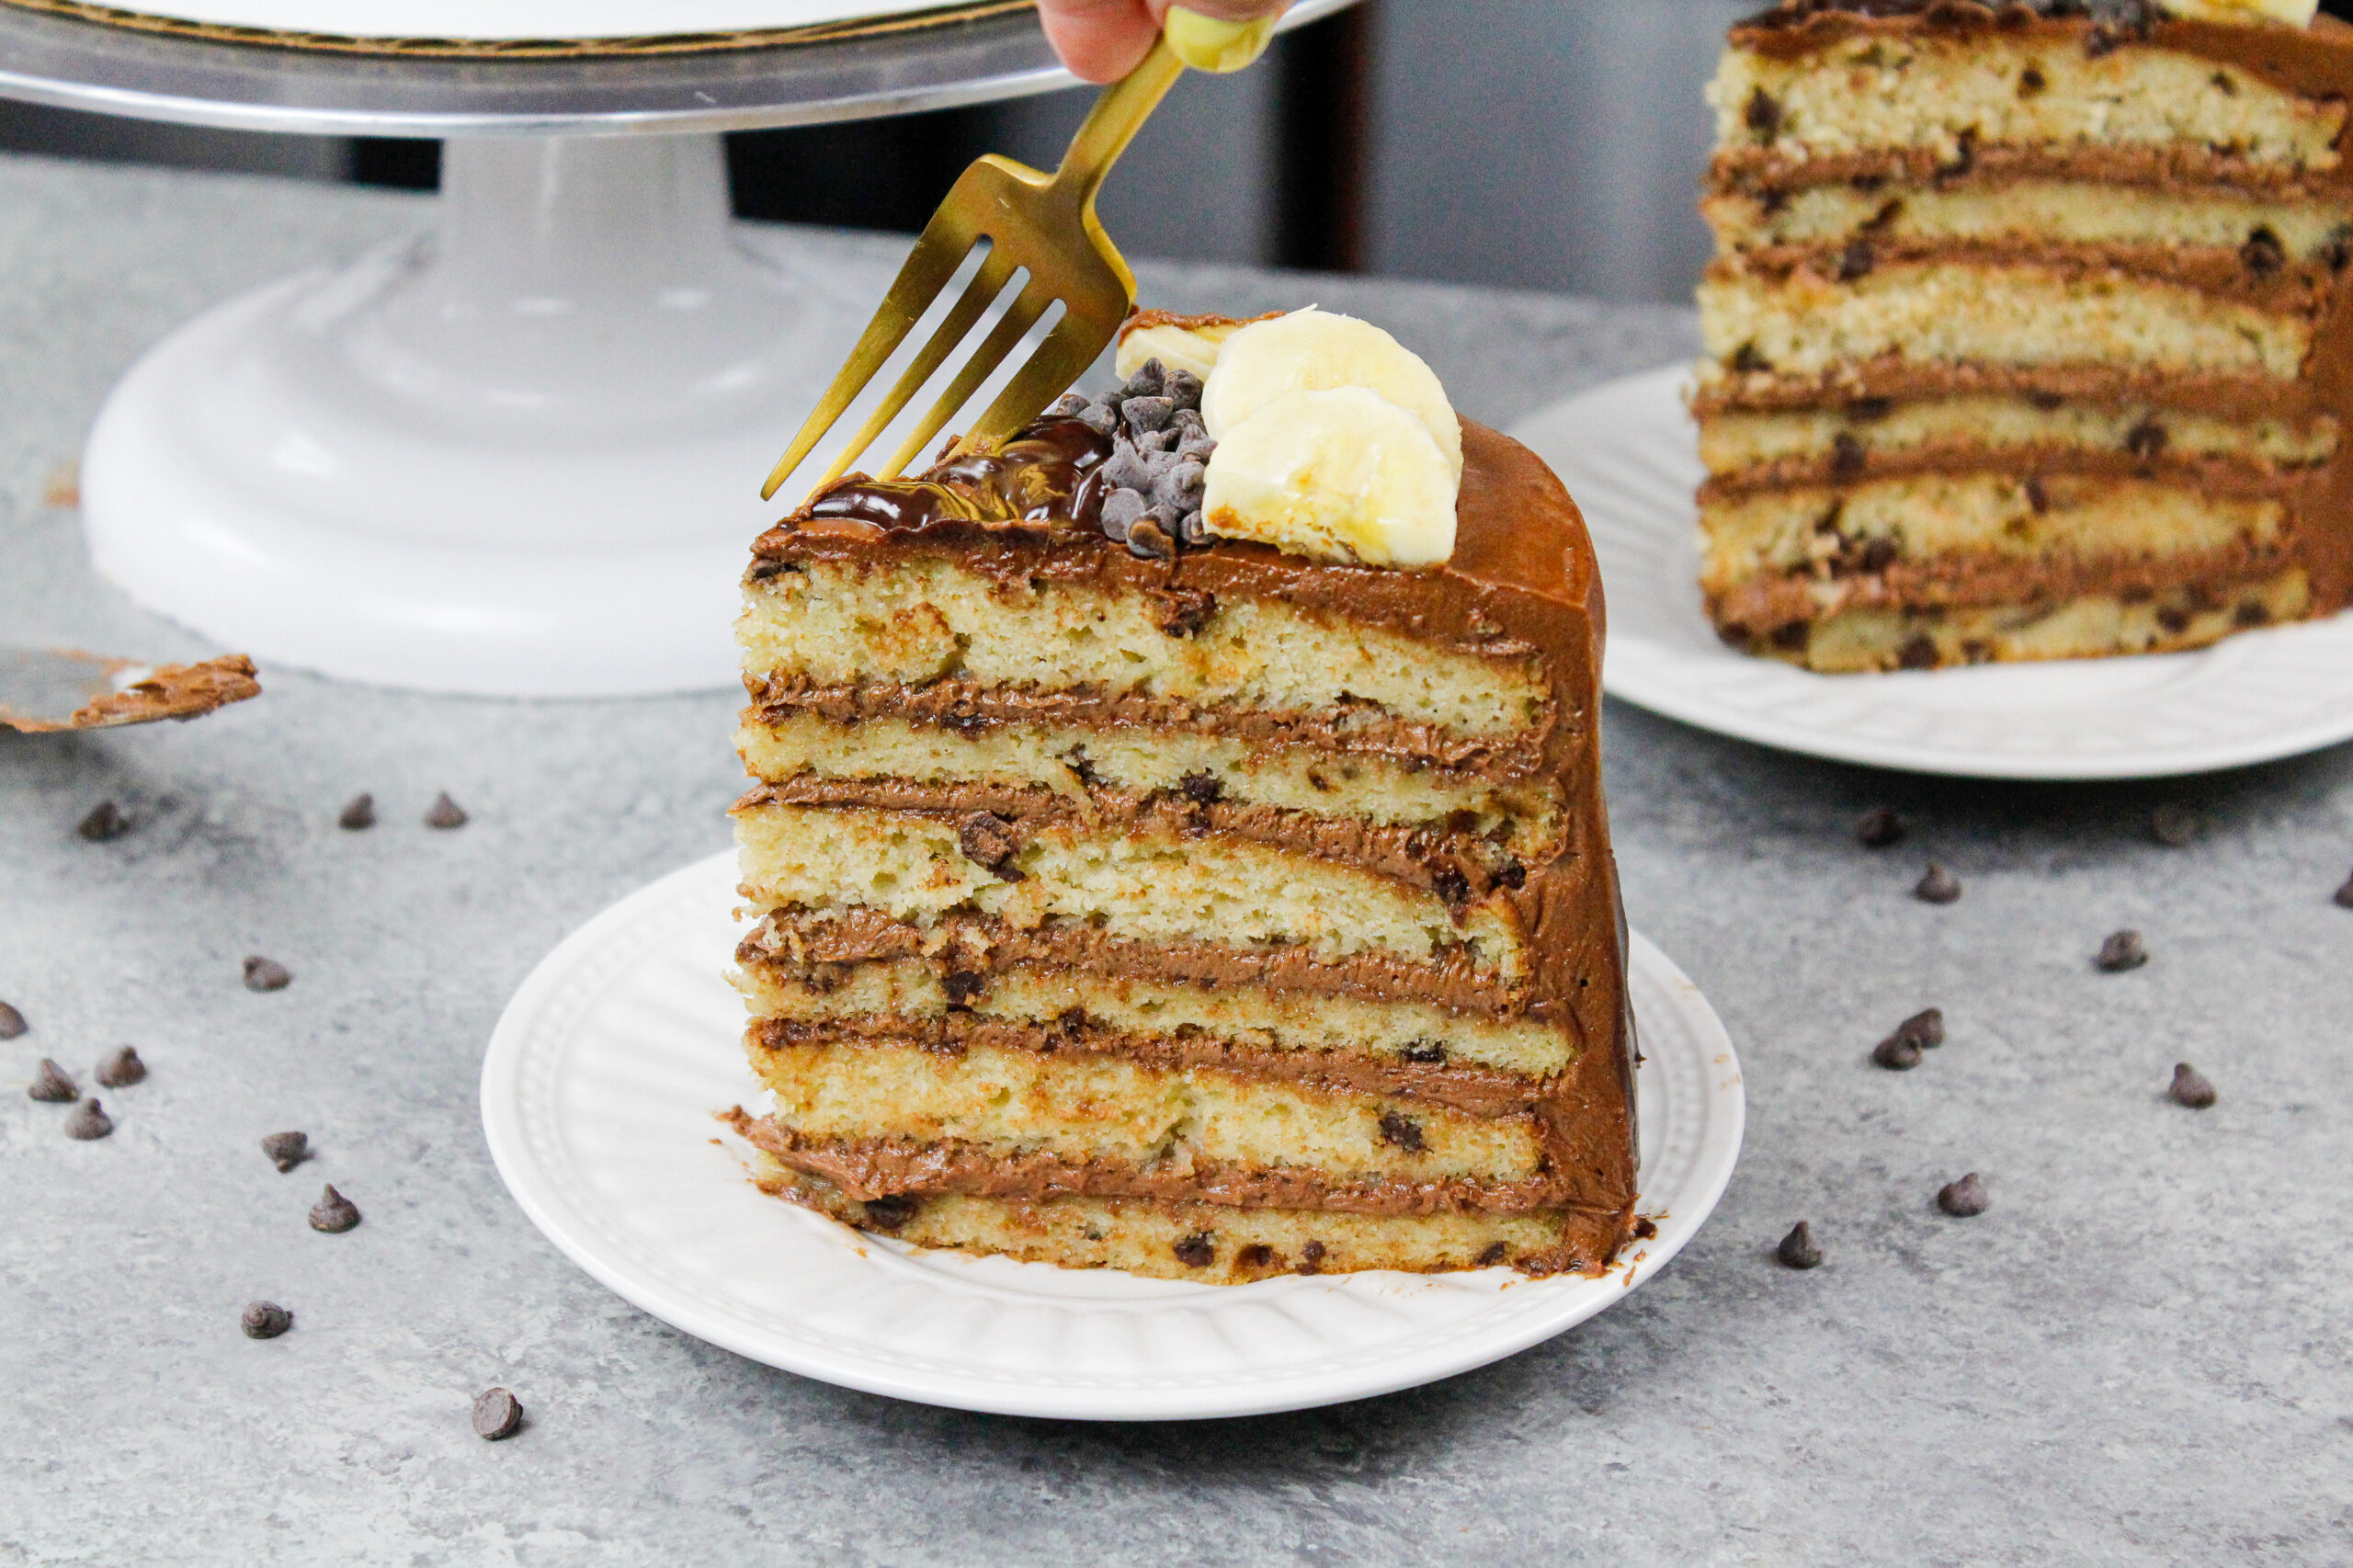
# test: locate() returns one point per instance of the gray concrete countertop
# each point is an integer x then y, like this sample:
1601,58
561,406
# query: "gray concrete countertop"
2142,1351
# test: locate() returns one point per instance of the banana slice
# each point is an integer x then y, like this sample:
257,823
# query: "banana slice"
2295,13
1334,475
1180,342
1313,350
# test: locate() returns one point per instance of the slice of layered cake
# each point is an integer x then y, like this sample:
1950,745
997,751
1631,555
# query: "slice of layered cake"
2026,333
1179,834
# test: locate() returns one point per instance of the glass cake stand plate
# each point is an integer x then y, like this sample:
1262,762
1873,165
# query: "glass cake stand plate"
1628,451
599,1096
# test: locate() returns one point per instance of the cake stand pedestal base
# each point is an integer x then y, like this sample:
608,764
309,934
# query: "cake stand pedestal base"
519,457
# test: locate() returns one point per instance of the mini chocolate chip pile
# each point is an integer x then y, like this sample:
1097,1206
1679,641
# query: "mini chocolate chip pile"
1154,480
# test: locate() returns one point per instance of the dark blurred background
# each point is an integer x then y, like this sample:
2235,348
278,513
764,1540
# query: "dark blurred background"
1551,144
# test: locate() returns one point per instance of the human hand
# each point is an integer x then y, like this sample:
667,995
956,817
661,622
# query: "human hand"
1101,40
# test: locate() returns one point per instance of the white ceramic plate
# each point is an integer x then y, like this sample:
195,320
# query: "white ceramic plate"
496,19
1629,453
597,1099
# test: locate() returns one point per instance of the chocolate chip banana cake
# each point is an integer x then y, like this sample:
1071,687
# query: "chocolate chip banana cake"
1178,834
2027,334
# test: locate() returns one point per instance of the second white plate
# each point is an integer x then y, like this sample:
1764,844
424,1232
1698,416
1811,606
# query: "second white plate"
598,1098
1629,453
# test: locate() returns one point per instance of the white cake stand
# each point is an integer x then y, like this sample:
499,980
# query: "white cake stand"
520,456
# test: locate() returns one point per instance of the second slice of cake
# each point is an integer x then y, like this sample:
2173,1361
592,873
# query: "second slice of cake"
1180,838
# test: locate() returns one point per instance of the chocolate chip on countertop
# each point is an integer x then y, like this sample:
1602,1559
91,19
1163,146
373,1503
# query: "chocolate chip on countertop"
122,1069
265,1320
334,1214
1797,1248
358,812
287,1150
266,974
53,1086
1925,1027
2173,826
1963,1199
446,813
1879,828
106,821
1897,1051
498,1416
988,840
89,1120
2121,951
2343,897
12,1022
1937,885
1401,1129
2189,1088
1197,1251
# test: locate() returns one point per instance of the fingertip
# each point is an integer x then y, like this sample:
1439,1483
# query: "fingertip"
1100,41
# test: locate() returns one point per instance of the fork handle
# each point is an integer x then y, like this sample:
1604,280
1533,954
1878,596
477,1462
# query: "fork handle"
1119,113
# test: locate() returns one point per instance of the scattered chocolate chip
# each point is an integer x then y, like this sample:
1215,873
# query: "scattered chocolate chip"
1197,1251
1748,361
1797,1248
2263,254
446,813
358,812
2121,951
1258,1255
988,840
892,1211
2173,826
1963,1199
1428,1053
2251,613
2343,897
12,1023
2030,82
1202,787
89,1120
498,1416
265,1320
2146,439
1493,1253
1149,541
334,1214
1763,114
2173,618
266,974
1401,1129
1879,828
1846,455
2189,1088
106,821
1856,261
1452,885
962,985
1937,885
1310,1257
287,1150
1645,1230
51,1085
122,1069
1918,652
1925,1027
1897,1052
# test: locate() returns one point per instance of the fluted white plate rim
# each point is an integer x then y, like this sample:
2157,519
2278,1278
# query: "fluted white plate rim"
597,1094
1628,451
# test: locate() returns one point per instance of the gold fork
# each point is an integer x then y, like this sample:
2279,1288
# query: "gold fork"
1043,222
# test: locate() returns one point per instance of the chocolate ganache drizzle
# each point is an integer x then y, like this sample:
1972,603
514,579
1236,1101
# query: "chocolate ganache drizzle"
1130,465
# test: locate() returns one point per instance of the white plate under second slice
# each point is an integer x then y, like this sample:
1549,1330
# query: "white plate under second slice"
1629,452
598,1098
